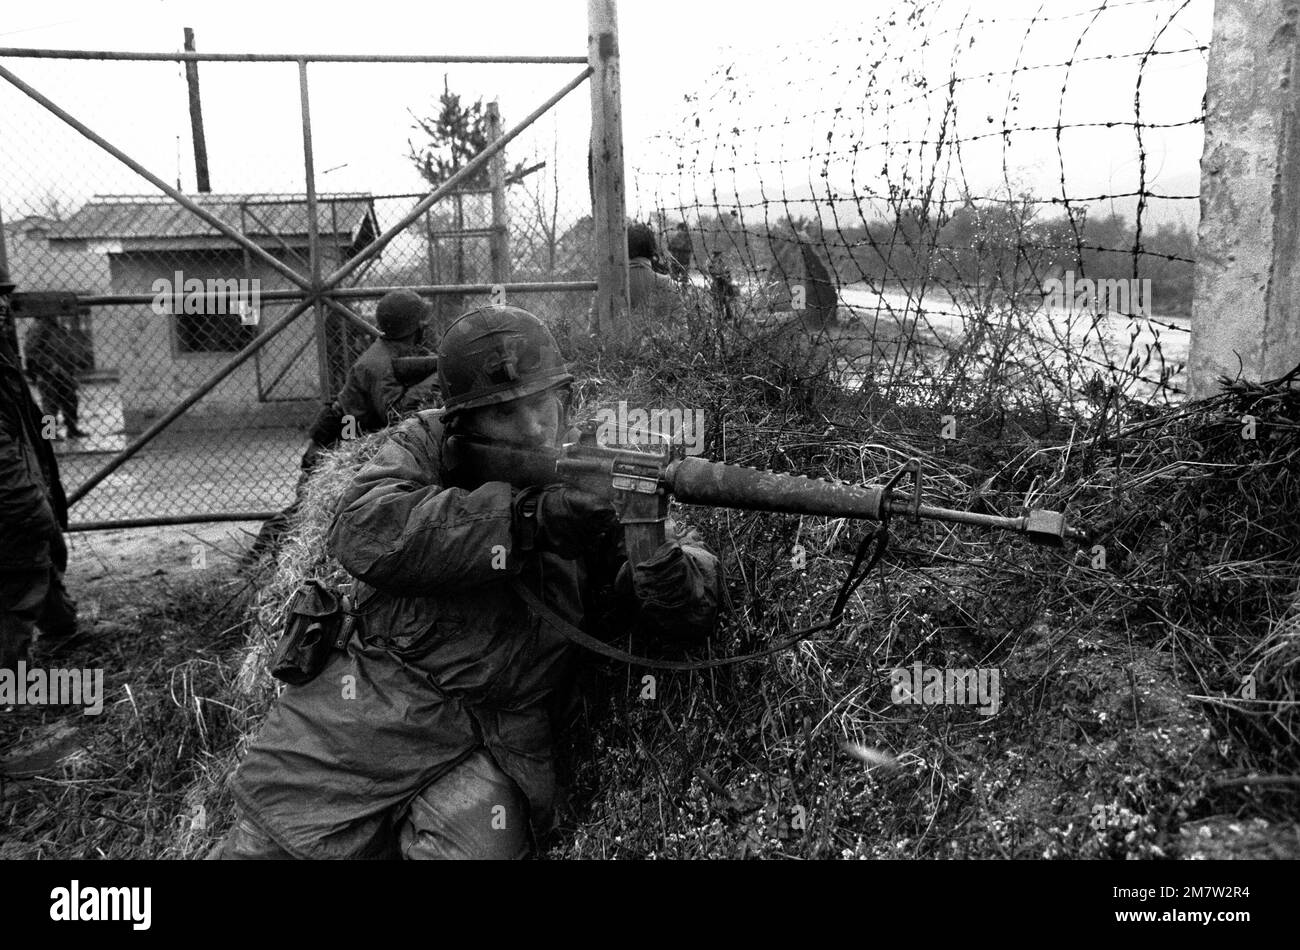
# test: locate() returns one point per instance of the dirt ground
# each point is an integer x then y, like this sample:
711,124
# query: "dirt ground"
100,562
117,579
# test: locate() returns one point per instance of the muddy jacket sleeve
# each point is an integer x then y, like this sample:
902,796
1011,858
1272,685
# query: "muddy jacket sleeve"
403,533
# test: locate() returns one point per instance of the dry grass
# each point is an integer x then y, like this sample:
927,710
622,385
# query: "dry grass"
302,556
1123,722
1124,718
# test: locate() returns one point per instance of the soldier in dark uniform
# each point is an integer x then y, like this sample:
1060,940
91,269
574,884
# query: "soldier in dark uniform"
33,513
723,287
54,358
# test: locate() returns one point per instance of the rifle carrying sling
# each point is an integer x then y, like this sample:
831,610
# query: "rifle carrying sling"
857,574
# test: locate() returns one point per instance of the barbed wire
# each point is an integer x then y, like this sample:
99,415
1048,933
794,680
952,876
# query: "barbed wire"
907,193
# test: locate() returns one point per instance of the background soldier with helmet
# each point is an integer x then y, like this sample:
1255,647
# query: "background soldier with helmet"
432,734
371,398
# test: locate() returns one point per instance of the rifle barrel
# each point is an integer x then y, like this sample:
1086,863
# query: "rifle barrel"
899,506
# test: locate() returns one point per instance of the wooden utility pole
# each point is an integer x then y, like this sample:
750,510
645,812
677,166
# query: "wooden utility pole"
608,192
500,246
196,118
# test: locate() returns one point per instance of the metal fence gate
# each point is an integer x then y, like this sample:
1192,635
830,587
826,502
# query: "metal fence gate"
181,341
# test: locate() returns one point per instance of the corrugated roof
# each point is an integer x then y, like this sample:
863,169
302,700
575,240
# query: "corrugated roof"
132,216
37,265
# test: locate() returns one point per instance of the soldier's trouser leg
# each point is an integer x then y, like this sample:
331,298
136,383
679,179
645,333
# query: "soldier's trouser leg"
247,842
22,600
474,811
69,404
49,397
268,537
277,526
59,612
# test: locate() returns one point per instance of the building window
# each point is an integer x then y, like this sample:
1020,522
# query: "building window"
212,333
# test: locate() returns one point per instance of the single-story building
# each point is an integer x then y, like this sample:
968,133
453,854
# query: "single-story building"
39,268
165,348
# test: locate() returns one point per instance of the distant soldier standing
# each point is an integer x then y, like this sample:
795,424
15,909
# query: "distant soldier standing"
679,246
54,358
723,287
33,513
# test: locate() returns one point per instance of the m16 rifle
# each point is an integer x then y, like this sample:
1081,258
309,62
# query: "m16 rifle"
639,483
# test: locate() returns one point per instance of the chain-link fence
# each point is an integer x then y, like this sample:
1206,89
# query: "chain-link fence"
932,211
131,300
1004,194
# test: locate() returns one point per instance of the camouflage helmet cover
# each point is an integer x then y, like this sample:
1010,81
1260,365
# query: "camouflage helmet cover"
497,354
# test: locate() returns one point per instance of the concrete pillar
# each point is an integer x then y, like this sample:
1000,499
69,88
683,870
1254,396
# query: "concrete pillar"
1246,308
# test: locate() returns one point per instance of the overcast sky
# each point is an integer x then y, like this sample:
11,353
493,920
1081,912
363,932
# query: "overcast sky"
792,66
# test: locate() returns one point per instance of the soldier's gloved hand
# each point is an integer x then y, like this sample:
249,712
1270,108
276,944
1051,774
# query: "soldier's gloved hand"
678,588
561,519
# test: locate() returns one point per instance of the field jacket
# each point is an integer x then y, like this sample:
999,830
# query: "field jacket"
444,658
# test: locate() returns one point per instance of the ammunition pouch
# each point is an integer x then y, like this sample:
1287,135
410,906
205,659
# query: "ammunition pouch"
318,623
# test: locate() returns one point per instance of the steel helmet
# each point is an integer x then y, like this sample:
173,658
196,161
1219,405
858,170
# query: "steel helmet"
400,313
496,354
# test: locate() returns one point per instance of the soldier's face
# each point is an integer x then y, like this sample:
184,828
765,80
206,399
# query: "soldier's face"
533,421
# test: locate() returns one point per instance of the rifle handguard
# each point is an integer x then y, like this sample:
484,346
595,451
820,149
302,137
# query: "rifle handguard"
696,481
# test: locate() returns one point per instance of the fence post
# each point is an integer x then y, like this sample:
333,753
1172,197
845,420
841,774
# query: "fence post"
1246,304
500,246
608,195
313,238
